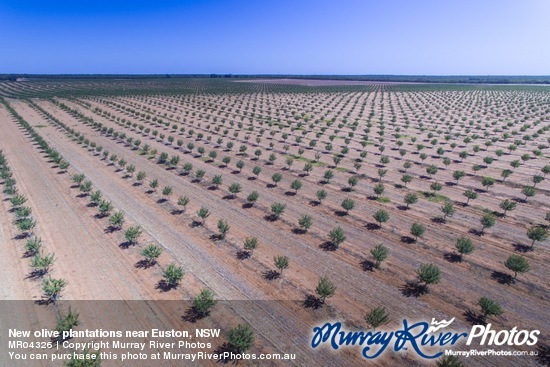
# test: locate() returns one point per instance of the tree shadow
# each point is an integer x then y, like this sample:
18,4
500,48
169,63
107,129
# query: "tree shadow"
340,213
111,229
271,275
328,246
452,257
28,254
243,254
163,286
312,302
247,205
36,274
413,288
543,356
402,207
372,226
43,301
224,353
314,203
195,223
299,230
144,264
290,193
520,247
474,318
407,239
502,278
438,220
192,315
125,245
176,212
475,232
271,217
21,236
367,265
216,237
161,200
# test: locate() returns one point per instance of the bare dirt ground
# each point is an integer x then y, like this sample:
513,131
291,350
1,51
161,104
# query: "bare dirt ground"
160,225
105,271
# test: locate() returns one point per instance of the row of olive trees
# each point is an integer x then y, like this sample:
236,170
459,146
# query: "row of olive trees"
127,124
348,204
41,263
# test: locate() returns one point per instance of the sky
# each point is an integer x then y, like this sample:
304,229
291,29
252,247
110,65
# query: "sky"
352,37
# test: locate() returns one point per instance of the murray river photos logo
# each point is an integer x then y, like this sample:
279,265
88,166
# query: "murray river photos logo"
421,337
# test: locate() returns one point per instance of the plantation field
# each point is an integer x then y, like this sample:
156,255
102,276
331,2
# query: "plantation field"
261,191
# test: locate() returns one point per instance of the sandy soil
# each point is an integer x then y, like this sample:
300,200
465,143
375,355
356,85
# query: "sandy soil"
214,264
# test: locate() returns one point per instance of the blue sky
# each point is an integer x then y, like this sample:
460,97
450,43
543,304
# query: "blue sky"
420,37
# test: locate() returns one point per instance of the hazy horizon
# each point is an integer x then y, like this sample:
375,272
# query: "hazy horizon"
395,37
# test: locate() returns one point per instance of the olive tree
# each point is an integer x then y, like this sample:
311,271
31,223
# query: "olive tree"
487,221
489,308
52,288
223,228
281,263
151,253
507,205
336,237
203,302
381,216
116,220
325,289
277,209
203,213
132,234
377,317
537,233
240,338
380,254
417,230
250,244
305,222
428,274
517,264
172,275
464,246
